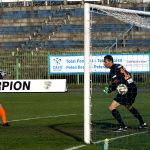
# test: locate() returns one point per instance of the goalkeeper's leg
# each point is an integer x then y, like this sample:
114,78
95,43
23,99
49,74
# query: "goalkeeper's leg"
116,115
137,115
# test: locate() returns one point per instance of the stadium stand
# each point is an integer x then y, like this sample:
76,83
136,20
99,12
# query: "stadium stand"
28,29
61,26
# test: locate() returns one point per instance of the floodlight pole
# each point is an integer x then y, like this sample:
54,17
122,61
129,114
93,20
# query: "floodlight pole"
87,97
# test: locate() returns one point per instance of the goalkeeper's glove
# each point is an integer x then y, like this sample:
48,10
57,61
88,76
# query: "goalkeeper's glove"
106,90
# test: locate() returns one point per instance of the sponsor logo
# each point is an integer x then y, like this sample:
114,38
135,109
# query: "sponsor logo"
57,64
15,85
47,84
57,61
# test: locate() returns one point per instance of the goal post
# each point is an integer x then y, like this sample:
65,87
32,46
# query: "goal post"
133,17
87,113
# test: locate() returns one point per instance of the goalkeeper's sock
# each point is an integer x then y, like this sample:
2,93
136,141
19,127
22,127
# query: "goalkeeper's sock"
117,116
137,115
3,114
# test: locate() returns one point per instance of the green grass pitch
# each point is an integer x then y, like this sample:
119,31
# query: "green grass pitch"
54,121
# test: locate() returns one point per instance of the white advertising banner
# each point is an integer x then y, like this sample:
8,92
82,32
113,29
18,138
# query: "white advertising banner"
51,85
75,64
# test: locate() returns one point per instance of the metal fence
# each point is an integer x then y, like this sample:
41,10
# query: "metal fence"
34,65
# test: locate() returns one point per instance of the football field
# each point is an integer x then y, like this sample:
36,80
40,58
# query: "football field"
54,121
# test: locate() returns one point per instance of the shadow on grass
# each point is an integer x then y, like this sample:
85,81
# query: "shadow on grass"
67,129
106,123
101,126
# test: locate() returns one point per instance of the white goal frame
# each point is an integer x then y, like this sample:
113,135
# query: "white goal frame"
87,46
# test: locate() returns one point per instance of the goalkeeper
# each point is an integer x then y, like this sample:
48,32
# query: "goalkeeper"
119,75
2,110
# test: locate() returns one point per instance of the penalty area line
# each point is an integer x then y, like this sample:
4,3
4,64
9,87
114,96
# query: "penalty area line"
35,118
111,139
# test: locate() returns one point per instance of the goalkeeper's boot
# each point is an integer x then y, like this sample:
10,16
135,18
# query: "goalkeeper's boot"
143,126
122,129
6,124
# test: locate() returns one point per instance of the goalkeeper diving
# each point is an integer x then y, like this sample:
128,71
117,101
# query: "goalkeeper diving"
120,76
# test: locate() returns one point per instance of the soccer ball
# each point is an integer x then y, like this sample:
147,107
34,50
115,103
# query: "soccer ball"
122,89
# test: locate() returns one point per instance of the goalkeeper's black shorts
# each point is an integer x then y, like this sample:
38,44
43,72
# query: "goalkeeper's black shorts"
129,97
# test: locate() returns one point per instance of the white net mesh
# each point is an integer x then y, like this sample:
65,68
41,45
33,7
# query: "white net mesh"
133,19
126,29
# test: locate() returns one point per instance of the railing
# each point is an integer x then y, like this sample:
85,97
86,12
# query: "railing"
122,36
34,65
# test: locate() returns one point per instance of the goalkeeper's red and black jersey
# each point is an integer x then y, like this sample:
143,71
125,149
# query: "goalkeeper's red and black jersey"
119,75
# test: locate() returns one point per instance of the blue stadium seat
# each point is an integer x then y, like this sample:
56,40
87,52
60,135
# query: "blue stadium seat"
42,13
45,29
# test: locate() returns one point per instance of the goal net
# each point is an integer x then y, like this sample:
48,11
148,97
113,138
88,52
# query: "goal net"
124,34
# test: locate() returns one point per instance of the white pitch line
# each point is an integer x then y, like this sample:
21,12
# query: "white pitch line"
111,139
120,137
35,118
76,147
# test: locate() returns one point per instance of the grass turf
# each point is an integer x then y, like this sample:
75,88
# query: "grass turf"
61,132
